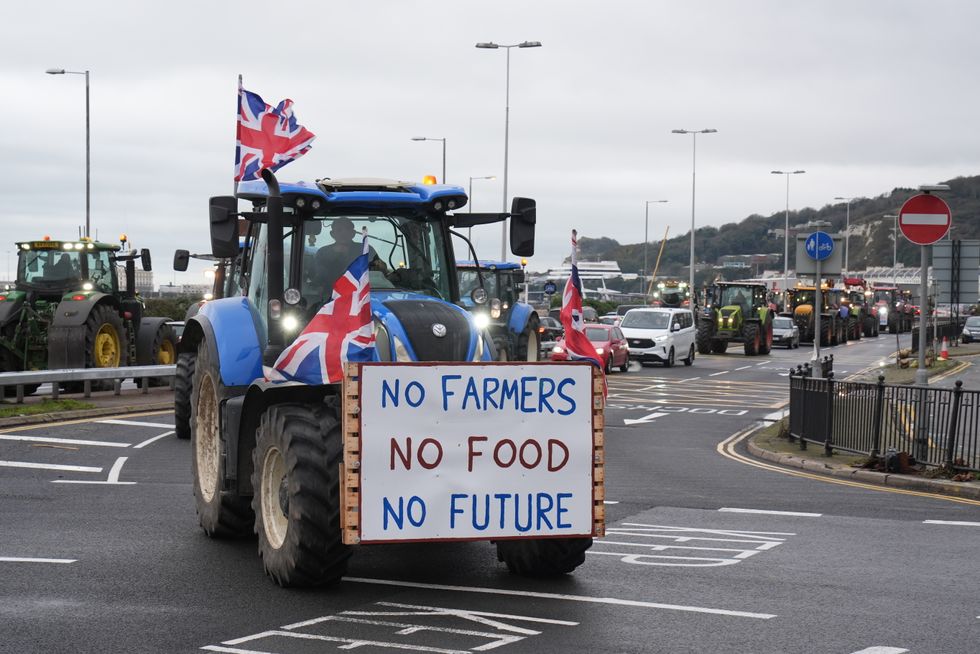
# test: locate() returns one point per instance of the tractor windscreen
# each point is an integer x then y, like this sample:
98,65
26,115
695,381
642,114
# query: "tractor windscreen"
61,268
736,295
468,282
404,254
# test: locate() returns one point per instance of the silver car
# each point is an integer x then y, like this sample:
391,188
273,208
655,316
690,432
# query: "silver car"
785,332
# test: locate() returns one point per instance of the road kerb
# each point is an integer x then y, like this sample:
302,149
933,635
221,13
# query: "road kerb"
969,490
61,416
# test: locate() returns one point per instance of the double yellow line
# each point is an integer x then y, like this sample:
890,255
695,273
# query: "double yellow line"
726,448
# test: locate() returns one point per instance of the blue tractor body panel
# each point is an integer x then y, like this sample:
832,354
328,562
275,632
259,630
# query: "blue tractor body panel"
238,334
409,195
520,313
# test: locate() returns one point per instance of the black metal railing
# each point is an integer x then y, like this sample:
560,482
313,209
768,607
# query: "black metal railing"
936,426
949,329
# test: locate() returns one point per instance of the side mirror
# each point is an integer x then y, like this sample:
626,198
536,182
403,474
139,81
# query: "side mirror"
145,260
675,327
224,226
522,220
181,259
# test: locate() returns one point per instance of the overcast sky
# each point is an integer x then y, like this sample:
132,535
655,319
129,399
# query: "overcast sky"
864,96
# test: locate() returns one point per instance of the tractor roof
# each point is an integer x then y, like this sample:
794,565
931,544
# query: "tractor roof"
753,285
67,246
363,192
490,265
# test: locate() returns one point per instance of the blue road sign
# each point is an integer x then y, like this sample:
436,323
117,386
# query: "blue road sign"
819,246
550,288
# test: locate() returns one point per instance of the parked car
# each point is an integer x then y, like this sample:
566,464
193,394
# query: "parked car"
610,319
609,343
785,332
549,331
660,334
971,330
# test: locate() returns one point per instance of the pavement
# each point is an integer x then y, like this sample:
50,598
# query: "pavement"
130,400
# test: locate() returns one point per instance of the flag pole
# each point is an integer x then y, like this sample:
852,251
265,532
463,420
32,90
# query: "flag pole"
238,108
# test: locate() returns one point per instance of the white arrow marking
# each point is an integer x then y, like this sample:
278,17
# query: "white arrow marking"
648,418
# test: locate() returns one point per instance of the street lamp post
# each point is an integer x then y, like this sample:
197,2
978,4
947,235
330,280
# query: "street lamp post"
847,234
490,45
894,274
694,161
786,232
426,138
469,233
88,168
646,235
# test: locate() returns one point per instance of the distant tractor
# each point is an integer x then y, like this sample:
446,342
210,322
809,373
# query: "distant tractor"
671,295
894,310
735,312
66,310
513,325
801,310
862,318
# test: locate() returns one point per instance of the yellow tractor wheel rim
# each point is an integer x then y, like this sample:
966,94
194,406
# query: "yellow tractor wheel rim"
107,350
167,354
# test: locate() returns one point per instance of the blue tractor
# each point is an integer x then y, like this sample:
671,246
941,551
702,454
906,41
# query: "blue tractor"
513,325
265,457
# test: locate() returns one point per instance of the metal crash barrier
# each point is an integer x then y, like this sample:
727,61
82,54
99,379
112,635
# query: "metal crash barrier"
85,376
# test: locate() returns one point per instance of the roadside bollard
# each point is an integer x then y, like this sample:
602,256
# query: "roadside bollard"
828,449
879,405
954,415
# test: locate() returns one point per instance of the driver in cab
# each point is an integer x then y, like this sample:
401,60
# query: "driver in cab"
333,260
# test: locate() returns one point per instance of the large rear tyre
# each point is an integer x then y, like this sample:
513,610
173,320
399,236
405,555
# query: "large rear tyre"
765,343
703,337
528,343
221,513
753,338
719,346
163,351
182,394
544,557
296,469
106,345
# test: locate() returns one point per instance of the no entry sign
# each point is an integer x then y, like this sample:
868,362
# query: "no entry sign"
924,219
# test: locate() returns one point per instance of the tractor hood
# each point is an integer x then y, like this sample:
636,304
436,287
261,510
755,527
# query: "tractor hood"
417,327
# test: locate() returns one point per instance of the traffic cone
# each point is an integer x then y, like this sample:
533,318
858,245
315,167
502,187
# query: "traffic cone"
944,353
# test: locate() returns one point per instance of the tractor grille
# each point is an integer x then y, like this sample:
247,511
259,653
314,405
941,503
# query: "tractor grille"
417,318
640,342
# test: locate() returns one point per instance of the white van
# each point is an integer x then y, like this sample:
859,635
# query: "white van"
660,335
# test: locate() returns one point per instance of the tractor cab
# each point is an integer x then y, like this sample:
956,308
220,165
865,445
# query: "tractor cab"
735,312
672,294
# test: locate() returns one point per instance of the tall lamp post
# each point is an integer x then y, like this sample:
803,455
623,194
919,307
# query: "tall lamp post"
694,162
847,234
469,233
646,235
426,138
786,232
88,168
490,45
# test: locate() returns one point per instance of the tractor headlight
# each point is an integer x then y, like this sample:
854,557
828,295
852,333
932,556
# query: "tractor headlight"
401,352
289,323
495,308
481,320
882,311
292,296
87,286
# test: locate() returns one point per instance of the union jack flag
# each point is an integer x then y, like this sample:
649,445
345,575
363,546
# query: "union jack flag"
266,137
577,345
341,331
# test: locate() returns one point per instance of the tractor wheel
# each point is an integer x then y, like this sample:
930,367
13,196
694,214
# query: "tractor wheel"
296,477
690,357
858,332
528,343
164,351
703,337
182,394
719,346
221,513
543,557
765,342
826,334
106,344
753,338
502,352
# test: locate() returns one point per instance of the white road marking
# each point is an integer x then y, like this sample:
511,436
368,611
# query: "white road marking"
723,372
682,552
233,650
743,368
25,559
62,441
557,596
878,649
48,466
610,502
765,512
686,379
112,480
352,643
153,440
951,522
762,364
133,423
644,419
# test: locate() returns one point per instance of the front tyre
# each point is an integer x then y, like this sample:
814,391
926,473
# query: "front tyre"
690,357
669,363
752,338
182,394
528,343
221,513
296,477
543,557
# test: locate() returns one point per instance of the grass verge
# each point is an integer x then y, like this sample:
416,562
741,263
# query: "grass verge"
772,438
44,406
895,375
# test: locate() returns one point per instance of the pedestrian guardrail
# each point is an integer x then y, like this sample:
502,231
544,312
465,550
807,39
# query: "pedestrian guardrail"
937,426
949,329
84,378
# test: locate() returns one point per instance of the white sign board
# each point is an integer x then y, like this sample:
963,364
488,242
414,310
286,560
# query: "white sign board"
475,451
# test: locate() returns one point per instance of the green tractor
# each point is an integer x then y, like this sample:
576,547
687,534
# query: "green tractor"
66,310
735,312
